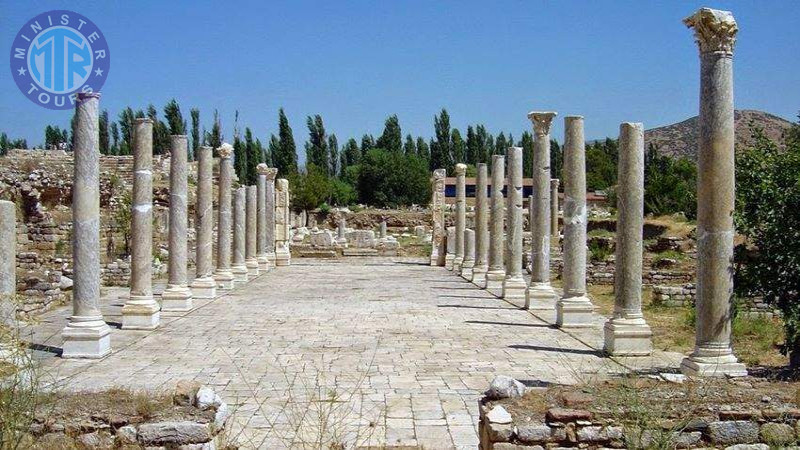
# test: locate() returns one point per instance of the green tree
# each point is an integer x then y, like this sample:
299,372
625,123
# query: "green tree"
310,188
482,145
471,153
195,113
273,148
423,149
458,146
161,139
768,216
333,158
172,112
601,170
409,147
215,137
102,131
317,145
126,118
500,144
285,158
441,147
253,157
391,139
351,154
240,160
556,159
669,184
114,138
526,142
392,179
367,143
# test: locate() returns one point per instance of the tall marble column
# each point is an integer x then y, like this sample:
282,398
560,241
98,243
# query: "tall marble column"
251,222
438,250
574,309
496,272
514,285
261,207
270,215
627,334
239,267
141,311
8,265
554,208
540,295
86,334
461,215
715,32
341,230
450,244
204,285
282,225
177,296
469,255
223,274
481,228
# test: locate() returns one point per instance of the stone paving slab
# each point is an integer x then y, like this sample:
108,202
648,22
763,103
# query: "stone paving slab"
391,350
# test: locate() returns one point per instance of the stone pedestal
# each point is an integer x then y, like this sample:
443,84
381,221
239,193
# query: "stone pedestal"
382,233
574,309
450,244
540,295
204,286
438,235
239,267
469,255
270,215
715,32
177,296
481,228
86,334
282,225
341,230
141,311
261,212
627,334
223,274
461,216
496,272
514,284
250,259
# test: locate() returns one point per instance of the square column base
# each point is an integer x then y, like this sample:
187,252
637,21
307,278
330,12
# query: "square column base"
479,276
271,258
252,268
457,263
574,312
86,339
176,298
204,288
494,280
467,270
140,313
514,288
263,263
224,280
713,366
540,296
627,338
448,261
240,274
283,259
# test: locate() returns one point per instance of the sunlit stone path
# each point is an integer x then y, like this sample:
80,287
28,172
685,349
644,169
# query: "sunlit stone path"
405,349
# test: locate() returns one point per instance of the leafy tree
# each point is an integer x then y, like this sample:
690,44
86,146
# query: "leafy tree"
102,131
669,184
317,145
114,138
409,147
240,160
161,139
391,139
273,148
54,138
309,189
253,157
768,215
482,145
341,193
351,155
458,146
126,118
471,154
601,170
215,138
441,147
333,158
367,143
556,159
423,149
392,179
177,126
526,142
195,113
500,144
285,159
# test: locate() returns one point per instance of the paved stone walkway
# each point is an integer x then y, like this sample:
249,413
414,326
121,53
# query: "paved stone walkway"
382,351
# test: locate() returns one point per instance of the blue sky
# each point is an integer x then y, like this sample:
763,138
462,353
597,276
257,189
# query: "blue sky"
356,62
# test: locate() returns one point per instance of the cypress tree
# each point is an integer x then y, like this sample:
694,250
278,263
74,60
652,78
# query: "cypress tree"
215,137
103,131
286,157
409,147
423,150
317,145
367,144
240,160
391,139
441,148
459,148
333,159
195,113
253,157
471,153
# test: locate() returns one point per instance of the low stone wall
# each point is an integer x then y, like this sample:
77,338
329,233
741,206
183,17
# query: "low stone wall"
685,294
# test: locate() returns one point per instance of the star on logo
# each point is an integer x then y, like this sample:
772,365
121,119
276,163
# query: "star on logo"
98,72
21,71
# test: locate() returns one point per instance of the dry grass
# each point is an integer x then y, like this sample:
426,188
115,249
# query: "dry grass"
675,227
755,340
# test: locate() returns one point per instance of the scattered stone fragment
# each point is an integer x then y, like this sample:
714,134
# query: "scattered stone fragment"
185,432
777,433
567,415
126,434
733,432
498,414
505,387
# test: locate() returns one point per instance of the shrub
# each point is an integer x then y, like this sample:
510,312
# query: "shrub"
393,179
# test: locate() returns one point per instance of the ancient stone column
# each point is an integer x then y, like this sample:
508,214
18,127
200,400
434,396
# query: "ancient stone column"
239,267
177,296
204,285
627,334
438,250
574,309
461,215
282,225
450,243
141,311
554,208
382,229
481,228
270,215
715,32
251,222
469,254
514,285
341,231
261,207
540,295
223,274
8,264
496,272
86,334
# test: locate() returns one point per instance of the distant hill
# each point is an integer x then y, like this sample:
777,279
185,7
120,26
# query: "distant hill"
680,139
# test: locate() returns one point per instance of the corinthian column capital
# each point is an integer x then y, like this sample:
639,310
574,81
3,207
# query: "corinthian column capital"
225,150
714,30
542,120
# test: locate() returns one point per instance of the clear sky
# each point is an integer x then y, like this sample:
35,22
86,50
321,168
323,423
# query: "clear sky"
356,62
